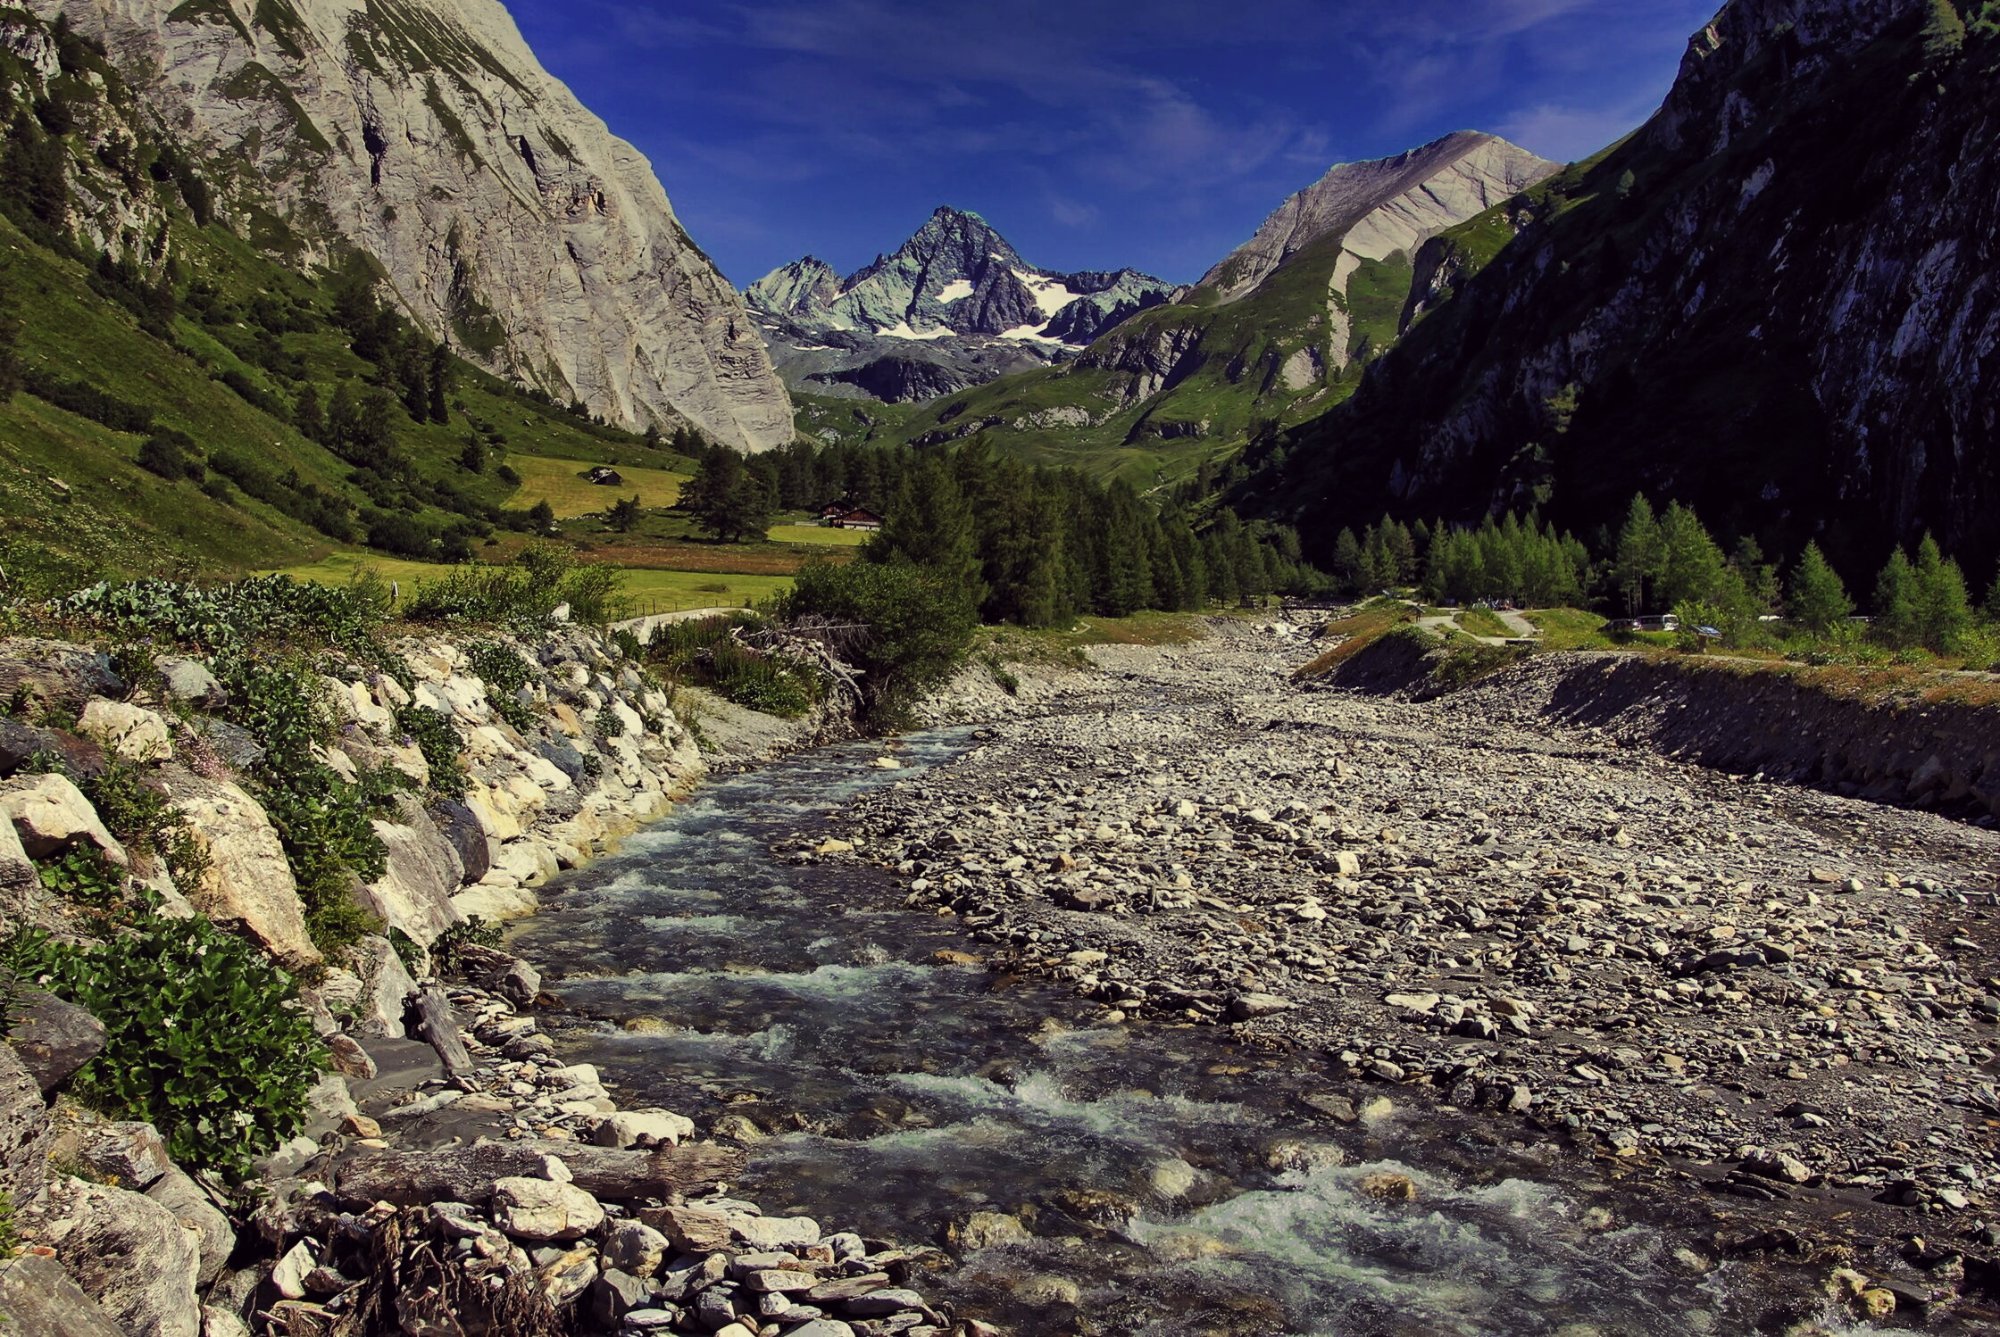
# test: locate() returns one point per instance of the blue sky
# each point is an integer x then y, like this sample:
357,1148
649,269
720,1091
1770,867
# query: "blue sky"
1093,133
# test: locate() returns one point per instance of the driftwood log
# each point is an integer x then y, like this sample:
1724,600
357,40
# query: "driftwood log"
367,1175
440,1027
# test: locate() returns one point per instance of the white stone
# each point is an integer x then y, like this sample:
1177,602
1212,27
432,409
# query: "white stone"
541,1209
248,879
50,814
133,732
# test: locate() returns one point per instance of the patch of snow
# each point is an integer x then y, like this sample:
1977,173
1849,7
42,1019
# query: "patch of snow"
901,330
955,291
1049,295
1031,334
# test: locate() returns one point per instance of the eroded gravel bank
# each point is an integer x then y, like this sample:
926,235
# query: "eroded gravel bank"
1775,994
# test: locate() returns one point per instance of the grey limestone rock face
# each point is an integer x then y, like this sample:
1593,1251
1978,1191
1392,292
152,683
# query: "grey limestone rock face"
131,1255
1384,206
507,216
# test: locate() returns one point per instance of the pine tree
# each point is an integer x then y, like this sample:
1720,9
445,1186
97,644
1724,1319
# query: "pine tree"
440,384
727,500
1691,565
1895,603
1818,601
1943,612
1639,560
624,514
1350,563
931,525
542,517
1992,605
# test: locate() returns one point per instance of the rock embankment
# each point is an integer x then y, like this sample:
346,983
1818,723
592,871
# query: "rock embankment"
1777,994
450,1171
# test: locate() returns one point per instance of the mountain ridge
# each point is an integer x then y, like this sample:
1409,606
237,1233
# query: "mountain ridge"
1756,304
1196,378
954,305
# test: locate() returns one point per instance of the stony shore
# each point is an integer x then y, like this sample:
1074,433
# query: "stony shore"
451,1169
1780,998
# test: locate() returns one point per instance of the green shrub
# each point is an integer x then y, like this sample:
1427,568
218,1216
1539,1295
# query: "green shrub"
505,673
146,821
607,724
705,652
322,820
437,738
81,874
204,1038
446,952
524,595
905,627
216,617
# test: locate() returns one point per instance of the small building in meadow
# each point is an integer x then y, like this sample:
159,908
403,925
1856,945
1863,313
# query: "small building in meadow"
606,476
858,519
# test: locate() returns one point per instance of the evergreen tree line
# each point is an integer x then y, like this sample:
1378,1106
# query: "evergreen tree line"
1659,562
1033,546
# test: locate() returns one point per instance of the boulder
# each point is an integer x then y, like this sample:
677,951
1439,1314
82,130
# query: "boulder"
386,989
133,1155
189,680
234,746
192,1207
54,1039
133,732
55,673
636,1248
509,976
38,1299
541,1209
50,814
248,879
642,1128
414,893
458,825
130,1255
17,873
24,1130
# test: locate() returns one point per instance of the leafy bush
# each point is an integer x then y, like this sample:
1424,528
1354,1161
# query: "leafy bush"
475,931
505,673
204,1038
524,595
217,617
322,820
83,875
905,627
607,724
146,821
437,738
704,651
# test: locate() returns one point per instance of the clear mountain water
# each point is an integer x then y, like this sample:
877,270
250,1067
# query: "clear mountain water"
1174,1182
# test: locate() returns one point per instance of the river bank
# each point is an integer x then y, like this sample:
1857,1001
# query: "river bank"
1770,998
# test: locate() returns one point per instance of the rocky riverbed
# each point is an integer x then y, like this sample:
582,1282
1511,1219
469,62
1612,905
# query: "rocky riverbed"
1773,1003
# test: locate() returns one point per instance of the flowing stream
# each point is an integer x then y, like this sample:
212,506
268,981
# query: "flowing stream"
1173,1183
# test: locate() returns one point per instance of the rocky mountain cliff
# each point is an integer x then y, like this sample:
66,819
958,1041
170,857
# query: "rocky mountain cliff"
1766,303
1379,208
953,306
1273,334
426,133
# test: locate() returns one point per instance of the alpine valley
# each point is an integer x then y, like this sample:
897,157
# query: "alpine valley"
1276,331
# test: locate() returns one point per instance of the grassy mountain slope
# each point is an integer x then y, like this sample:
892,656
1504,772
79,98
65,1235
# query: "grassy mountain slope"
137,312
1181,384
